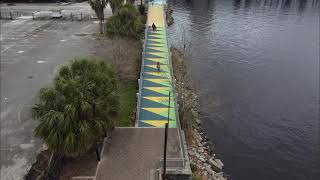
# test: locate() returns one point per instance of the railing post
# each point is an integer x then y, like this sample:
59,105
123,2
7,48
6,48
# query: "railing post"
97,153
165,152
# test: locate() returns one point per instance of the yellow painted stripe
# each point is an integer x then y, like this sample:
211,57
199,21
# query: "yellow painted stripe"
157,59
156,110
156,99
157,48
156,123
162,55
155,66
158,80
156,89
158,74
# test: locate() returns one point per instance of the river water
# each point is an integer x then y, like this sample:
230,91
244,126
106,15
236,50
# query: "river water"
255,66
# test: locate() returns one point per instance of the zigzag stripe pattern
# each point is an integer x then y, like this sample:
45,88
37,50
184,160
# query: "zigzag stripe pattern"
155,108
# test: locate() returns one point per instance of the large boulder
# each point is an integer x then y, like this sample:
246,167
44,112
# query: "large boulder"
215,165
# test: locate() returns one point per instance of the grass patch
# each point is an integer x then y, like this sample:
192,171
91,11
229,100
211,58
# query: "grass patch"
127,104
194,177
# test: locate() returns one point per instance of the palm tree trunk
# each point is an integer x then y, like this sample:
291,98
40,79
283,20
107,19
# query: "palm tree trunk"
101,20
101,30
97,152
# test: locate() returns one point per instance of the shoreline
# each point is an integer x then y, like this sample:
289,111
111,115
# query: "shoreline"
204,164
169,11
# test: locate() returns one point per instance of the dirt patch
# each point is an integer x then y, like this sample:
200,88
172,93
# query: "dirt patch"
39,168
84,165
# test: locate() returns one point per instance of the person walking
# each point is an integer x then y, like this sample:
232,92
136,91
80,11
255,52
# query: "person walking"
158,66
154,27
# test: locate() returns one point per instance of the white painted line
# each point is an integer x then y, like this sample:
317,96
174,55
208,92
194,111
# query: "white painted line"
63,40
41,62
25,17
20,52
26,146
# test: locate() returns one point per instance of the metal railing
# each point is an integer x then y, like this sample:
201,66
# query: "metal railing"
45,15
172,163
141,75
180,131
182,143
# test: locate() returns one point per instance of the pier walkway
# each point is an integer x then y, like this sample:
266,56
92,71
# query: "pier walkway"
154,107
136,153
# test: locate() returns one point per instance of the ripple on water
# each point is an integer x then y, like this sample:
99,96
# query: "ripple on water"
255,66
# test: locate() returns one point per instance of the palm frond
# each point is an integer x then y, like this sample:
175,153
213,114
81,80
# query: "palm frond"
75,111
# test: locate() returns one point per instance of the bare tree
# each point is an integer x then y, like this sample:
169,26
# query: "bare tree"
185,43
181,61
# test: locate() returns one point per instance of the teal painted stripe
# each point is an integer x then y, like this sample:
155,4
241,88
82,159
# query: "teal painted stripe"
156,50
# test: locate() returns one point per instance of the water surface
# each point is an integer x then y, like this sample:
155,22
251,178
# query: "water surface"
255,65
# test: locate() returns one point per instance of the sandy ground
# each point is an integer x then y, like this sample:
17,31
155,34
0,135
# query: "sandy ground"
31,52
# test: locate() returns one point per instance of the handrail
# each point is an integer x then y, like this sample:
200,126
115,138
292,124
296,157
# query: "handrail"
182,144
141,76
180,131
172,162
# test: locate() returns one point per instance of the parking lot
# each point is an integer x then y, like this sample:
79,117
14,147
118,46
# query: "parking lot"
31,52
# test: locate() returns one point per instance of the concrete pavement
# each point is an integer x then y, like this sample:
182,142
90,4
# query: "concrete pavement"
132,153
31,52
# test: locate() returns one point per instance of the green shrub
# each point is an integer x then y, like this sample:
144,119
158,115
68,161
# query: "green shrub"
78,108
193,167
126,22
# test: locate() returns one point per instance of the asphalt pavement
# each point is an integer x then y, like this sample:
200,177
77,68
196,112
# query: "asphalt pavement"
31,52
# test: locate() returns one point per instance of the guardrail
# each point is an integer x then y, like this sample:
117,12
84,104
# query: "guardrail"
141,76
182,143
46,15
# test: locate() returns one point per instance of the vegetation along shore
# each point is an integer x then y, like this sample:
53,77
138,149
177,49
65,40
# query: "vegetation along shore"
204,163
92,95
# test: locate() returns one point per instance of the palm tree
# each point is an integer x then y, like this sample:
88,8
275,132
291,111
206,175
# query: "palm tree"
98,7
125,23
76,111
115,5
